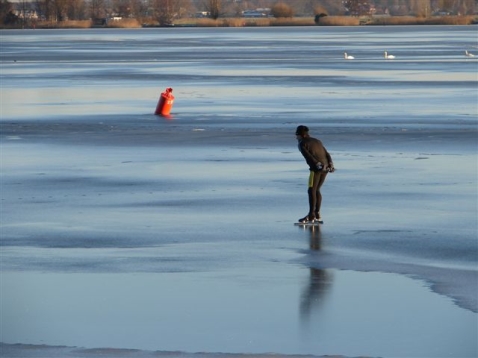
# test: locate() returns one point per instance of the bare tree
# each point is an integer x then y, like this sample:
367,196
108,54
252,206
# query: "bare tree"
281,9
44,9
97,9
122,8
420,7
138,8
183,8
303,7
309,7
166,11
6,9
357,7
471,6
76,10
214,8
60,7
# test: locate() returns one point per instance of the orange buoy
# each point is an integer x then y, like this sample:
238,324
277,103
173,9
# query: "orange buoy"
165,102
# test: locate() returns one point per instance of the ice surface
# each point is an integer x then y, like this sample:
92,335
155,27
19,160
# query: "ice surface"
121,229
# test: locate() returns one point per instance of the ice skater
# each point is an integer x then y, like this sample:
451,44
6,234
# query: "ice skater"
320,163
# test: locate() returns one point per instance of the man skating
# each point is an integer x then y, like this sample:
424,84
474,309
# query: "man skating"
320,163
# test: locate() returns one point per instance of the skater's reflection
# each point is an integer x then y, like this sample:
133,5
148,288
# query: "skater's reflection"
315,240
320,280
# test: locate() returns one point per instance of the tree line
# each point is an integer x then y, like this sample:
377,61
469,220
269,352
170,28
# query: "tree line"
166,11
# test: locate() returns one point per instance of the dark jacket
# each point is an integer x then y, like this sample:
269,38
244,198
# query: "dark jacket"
314,151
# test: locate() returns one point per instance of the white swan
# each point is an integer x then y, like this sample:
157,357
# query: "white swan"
386,55
468,54
348,57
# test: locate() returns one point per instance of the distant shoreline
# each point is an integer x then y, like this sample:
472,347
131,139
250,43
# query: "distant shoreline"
254,22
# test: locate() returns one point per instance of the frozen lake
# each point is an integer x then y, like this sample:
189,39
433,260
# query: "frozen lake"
124,230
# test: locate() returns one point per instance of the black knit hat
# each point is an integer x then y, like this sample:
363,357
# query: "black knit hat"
301,130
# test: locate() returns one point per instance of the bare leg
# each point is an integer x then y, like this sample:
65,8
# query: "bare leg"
312,202
318,195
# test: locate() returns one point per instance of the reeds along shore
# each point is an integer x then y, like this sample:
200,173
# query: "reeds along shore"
245,22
